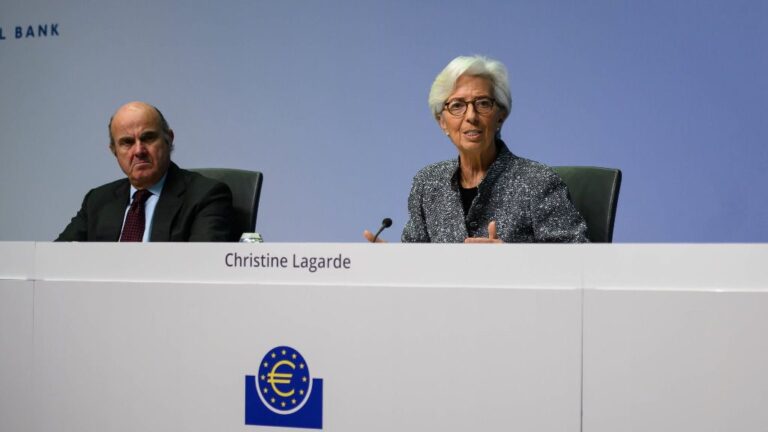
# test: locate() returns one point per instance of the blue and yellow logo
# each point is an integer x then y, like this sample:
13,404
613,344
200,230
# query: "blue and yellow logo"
284,394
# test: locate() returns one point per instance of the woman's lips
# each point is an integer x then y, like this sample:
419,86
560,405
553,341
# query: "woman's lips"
472,134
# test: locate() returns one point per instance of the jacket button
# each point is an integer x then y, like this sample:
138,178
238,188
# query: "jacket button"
473,224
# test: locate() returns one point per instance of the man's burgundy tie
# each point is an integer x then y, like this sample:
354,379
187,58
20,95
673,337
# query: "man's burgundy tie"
133,230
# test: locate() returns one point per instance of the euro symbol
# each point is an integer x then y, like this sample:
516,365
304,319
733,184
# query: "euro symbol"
276,378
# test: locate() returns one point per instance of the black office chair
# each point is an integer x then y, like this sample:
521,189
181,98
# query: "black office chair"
246,191
595,193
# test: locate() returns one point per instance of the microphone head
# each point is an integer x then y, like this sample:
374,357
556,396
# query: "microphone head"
386,223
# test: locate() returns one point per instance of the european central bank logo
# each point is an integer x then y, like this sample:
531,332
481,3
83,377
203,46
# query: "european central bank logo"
284,394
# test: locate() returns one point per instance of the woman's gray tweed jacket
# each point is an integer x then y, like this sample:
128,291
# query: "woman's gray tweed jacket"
528,201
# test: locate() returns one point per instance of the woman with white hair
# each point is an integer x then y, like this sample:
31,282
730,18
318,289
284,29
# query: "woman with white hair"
487,194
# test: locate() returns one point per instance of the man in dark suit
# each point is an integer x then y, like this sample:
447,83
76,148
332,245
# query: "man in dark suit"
158,201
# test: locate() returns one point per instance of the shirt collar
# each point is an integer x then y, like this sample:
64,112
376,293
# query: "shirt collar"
156,188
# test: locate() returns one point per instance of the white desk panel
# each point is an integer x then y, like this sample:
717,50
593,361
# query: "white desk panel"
160,336
675,338
171,356
16,299
697,267
17,260
675,361
386,264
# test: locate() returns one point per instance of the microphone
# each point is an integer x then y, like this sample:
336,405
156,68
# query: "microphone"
386,223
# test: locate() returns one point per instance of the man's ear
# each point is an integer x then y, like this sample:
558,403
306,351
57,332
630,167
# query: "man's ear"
169,139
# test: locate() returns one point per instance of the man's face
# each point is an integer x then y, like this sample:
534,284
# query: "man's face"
142,150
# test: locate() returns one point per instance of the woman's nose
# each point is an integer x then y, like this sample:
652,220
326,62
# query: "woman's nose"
470,114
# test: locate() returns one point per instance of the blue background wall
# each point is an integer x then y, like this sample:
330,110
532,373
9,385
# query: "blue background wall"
328,99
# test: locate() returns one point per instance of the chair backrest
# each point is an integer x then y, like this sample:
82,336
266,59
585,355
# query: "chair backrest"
595,193
246,191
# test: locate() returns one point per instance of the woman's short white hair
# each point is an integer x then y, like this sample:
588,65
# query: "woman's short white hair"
476,65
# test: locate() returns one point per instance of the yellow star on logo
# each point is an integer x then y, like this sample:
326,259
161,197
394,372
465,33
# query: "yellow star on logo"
274,355
283,352
266,364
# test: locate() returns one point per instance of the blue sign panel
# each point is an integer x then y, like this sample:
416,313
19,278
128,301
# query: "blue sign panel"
283,393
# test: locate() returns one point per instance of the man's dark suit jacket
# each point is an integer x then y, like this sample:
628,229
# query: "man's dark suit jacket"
191,208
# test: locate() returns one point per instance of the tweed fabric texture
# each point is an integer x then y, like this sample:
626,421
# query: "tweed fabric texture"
528,201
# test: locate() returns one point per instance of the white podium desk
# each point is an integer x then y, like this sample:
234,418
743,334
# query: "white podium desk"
130,337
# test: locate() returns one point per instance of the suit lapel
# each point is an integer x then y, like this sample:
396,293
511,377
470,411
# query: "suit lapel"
448,221
168,205
113,212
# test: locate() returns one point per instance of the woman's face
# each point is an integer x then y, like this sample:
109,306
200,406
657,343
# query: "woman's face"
472,133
